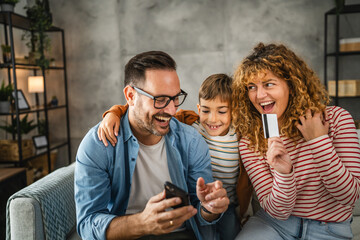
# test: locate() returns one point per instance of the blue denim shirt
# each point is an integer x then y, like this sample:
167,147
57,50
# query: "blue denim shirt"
103,175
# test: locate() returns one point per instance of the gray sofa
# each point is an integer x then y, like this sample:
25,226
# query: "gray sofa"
46,209
355,226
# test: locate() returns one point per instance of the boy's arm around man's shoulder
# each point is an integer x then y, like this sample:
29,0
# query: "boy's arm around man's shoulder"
118,110
186,116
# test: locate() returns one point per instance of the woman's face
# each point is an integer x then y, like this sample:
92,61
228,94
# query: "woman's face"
269,94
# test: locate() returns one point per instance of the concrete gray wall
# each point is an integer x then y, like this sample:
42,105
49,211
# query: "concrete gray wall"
203,36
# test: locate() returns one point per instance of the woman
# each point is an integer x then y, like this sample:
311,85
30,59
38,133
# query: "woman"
308,179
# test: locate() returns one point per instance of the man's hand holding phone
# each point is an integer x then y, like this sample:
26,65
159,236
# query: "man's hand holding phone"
158,221
172,190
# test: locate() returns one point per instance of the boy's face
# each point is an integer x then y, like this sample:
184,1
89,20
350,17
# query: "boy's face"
215,116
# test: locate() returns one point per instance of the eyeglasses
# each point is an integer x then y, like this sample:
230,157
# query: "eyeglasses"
162,101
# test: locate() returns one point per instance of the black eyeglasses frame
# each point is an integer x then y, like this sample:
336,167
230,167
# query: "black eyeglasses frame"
182,93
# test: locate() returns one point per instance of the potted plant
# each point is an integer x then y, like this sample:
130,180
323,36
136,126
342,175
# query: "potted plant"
5,97
52,62
38,41
8,5
6,51
10,148
25,126
42,127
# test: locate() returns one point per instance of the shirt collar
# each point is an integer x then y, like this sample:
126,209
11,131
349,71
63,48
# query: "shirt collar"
125,127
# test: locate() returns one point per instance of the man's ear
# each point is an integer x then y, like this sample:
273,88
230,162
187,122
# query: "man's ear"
129,94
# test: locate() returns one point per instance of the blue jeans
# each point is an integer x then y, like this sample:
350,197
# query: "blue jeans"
262,226
229,225
225,229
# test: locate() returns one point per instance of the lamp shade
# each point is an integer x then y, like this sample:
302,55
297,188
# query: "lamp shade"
36,84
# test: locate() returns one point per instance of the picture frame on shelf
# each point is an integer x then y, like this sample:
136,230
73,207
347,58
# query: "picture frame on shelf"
40,141
23,103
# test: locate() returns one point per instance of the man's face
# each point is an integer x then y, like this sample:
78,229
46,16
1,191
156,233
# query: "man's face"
149,120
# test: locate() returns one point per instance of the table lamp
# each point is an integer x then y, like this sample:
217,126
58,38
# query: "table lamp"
36,85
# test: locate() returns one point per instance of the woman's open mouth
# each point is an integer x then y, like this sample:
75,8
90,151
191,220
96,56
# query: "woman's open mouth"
267,106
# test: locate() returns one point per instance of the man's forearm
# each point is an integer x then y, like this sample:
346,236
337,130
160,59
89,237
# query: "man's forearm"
125,227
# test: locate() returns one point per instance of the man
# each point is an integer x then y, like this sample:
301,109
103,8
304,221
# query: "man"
119,190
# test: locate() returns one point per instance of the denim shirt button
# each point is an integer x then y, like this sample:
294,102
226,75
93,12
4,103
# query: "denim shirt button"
132,159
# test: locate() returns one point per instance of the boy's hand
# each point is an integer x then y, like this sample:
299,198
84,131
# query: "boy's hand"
213,197
313,126
108,129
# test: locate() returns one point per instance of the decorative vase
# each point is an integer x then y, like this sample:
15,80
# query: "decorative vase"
54,102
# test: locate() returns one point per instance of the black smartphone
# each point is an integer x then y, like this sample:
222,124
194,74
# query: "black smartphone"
172,190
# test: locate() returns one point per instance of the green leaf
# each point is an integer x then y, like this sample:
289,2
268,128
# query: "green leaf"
25,126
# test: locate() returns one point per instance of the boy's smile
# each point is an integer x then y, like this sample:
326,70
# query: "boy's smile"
215,116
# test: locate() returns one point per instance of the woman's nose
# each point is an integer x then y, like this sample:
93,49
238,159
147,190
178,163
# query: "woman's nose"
261,92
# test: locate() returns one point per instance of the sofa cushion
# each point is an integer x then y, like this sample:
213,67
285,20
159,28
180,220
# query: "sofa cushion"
356,211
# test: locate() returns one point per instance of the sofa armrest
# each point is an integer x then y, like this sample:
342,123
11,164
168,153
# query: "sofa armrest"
26,219
43,210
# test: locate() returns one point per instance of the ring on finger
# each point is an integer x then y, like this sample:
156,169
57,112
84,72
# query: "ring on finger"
171,223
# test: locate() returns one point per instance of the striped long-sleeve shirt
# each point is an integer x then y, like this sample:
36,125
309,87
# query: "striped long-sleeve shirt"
325,181
224,154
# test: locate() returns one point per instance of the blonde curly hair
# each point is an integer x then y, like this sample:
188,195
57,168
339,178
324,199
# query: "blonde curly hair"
306,92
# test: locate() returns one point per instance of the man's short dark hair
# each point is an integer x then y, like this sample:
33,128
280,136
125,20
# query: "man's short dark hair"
153,60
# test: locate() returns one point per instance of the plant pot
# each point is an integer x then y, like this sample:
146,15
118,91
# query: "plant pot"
6,7
4,106
33,56
7,57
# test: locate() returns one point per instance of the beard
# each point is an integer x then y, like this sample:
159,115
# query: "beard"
148,123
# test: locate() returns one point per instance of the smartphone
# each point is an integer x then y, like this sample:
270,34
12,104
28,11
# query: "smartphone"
172,190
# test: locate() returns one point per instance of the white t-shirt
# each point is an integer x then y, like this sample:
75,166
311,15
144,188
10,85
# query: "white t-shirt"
151,172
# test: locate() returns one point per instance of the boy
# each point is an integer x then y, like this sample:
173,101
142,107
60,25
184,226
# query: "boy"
214,124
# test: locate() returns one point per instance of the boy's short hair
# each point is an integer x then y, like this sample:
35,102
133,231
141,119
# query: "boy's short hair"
216,85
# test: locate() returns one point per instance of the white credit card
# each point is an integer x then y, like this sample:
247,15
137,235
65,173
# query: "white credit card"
270,125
